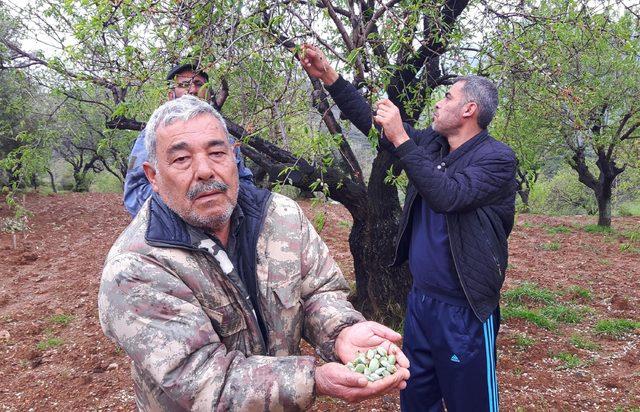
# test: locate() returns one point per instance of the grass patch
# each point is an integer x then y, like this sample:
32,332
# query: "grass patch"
632,235
546,312
105,182
529,292
563,314
630,209
581,342
554,230
628,248
616,328
527,225
576,291
49,343
524,342
598,229
530,315
623,409
552,246
61,319
345,224
569,360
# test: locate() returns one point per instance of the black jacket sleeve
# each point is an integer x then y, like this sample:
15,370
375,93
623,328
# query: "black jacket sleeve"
358,111
352,104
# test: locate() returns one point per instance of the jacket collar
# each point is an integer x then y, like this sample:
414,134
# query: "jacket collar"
467,146
166,228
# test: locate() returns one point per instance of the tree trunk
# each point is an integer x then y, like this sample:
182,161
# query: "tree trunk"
602,187
524,187
81,182
524,196
604,211
382,289
52,181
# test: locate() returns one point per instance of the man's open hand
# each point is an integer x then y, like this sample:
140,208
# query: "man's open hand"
335,380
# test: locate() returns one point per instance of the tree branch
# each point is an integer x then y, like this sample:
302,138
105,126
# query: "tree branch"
346,38
377,15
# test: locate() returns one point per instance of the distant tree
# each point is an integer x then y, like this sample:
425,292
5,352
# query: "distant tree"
19,95
576,65
80,137
86,84
529,135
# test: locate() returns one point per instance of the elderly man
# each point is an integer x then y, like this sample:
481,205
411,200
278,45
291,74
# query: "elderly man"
211,287
458,213
182,79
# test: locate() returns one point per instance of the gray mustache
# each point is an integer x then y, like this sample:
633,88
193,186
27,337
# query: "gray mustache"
208,186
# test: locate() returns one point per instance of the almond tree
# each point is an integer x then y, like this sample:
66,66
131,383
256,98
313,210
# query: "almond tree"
384,47
577,67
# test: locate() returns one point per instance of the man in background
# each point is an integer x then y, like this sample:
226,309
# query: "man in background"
457,216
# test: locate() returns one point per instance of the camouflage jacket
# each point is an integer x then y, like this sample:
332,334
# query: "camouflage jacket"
180,312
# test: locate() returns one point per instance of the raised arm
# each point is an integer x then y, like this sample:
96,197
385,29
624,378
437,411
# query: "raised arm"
351,103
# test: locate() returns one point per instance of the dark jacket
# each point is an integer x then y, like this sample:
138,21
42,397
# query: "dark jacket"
474,187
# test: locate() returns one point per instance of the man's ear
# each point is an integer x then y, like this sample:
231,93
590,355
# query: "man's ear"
235,148
150,172
171,94
470,109
204,92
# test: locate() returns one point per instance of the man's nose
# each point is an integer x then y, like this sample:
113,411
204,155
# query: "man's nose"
193,89
204,169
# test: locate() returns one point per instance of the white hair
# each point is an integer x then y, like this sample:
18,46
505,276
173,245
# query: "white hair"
183,108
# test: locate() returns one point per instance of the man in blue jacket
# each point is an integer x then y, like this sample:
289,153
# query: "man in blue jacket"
182,79
458,213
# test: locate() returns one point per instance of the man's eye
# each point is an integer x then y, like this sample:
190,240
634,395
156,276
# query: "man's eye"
217,154
180,159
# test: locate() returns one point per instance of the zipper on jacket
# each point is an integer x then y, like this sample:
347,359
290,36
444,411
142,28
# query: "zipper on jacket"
495,259
245,302
263,217
404,228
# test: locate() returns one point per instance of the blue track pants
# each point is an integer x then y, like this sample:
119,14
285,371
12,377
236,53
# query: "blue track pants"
452,355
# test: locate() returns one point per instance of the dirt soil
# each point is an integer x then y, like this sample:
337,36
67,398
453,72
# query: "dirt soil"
55,357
